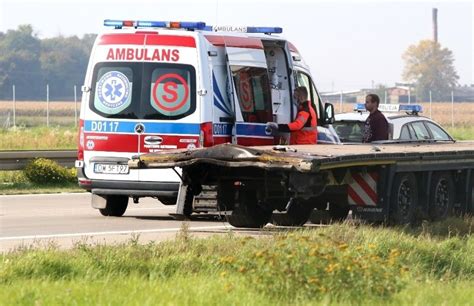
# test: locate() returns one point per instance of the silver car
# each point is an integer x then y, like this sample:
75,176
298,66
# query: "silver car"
408,126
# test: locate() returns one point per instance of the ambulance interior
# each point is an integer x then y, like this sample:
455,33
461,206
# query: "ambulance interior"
263,94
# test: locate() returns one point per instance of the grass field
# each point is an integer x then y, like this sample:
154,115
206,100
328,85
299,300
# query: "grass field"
348,264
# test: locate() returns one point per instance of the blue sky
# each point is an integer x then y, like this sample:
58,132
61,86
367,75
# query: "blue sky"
348,44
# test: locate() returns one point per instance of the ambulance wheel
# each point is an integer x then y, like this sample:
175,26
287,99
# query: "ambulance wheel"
441,196
167,200
116,205
247,212
404,199
297,214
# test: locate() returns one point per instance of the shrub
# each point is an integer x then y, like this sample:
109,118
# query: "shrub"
44,171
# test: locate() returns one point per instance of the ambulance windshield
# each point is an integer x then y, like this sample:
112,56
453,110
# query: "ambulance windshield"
143,90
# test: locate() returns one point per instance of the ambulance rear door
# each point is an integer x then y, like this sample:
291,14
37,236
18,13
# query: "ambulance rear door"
249,88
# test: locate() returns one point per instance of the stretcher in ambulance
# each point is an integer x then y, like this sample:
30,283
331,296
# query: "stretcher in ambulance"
153,86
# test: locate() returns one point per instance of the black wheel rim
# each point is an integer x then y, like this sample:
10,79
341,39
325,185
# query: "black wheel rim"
441,200
404,200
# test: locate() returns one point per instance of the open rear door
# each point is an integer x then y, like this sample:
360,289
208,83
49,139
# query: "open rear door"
249,88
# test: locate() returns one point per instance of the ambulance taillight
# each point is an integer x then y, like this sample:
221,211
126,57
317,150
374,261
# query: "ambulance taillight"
206,138
80,144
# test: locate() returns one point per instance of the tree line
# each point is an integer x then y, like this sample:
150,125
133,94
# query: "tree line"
30,63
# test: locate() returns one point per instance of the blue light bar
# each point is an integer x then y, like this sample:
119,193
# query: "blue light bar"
151,24
267,30
409,108
118,24
413,108
360,107
113,23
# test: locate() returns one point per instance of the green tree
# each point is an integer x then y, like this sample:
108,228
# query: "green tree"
64,63
431,68
19,63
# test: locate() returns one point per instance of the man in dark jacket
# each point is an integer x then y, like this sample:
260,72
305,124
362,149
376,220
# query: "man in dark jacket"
376,125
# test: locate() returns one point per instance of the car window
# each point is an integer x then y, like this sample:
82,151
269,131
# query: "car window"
420,130
437,132
349,131
405,134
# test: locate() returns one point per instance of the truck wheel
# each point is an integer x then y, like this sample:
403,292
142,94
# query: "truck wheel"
116,205
441,196
338,212
167,200
247,212
296,215
404,199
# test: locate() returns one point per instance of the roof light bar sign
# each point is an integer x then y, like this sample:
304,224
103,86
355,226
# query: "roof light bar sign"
118,24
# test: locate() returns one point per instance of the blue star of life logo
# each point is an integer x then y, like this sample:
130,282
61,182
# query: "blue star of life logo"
113,89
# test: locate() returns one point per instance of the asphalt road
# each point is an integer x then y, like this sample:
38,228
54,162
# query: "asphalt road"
66,219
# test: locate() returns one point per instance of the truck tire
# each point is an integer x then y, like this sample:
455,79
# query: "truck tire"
296,215
116,205
441,199
403,199
338,212
167,200
247,212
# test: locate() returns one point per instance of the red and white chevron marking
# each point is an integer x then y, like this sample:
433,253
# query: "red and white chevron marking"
363,190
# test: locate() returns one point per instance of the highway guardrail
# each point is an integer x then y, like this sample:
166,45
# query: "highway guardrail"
17,160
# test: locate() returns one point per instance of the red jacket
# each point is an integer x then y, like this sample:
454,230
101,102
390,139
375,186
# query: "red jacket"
304,128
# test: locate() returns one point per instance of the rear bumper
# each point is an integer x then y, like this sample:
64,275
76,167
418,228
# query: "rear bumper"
130,188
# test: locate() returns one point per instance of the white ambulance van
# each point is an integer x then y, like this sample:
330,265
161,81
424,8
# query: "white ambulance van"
153,86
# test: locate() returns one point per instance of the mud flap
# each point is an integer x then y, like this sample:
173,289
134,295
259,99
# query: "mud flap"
183,190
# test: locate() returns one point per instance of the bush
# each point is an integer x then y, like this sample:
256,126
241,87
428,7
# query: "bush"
44,171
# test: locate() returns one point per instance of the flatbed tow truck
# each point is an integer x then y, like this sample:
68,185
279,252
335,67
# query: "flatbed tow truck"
398,183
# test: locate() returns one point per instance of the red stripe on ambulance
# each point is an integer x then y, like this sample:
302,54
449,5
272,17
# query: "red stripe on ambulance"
363,189
122,39
111,142
170,40
147,39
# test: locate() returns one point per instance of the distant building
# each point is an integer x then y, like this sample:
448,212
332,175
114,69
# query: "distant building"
396,94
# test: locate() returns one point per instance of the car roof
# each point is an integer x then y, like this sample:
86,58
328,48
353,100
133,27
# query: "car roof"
362,116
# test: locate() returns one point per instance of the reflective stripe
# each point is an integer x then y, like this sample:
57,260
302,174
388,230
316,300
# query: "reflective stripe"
309,129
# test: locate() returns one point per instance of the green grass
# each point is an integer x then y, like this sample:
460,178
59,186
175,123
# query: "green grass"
340,264
462,133
15,182
38,138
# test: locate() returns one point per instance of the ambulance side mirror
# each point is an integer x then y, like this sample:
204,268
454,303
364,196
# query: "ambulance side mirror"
328,113
85,88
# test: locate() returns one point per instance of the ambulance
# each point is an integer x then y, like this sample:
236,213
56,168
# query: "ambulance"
154,85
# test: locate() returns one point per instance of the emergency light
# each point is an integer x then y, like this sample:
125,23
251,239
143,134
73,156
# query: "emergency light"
409,108
118,24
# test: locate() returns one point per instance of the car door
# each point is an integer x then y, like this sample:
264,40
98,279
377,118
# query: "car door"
249,89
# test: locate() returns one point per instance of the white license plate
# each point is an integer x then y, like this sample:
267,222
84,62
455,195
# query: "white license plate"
111,168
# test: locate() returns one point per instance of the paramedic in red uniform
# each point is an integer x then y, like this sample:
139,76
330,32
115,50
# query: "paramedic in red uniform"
303,129
376,125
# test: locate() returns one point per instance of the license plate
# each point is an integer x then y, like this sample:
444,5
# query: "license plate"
111,168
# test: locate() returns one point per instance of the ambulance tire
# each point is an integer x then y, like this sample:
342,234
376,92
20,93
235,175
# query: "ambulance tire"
167,200
297,215
116,205
404,199
248,213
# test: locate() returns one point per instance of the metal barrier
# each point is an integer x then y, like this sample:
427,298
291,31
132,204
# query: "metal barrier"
17,160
